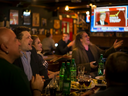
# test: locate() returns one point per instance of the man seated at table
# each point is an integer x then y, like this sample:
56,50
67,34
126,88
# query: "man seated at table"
86,53
13,80
48,44
116,71
64,45
29,61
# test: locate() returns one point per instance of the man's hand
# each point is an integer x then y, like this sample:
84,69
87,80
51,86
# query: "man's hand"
37,82
88,93
92,65
117,44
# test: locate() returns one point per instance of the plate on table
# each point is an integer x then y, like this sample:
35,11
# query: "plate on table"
76,85
102,78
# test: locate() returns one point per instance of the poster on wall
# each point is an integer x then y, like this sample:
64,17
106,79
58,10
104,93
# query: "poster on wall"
43,22
14,17
35,19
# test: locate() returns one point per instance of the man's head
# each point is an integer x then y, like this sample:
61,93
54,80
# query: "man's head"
24,38
116,68
82,38
9,45
49,35
65,37
102,16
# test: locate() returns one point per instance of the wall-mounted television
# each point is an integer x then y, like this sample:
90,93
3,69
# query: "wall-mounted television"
109,19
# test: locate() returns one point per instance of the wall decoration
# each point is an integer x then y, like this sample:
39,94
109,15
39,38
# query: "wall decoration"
35,19
60,17
41,31
51,30
56,24
43,22
34,31
2,24
81,18
14,17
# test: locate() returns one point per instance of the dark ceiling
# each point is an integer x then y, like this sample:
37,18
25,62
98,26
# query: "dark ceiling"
61,3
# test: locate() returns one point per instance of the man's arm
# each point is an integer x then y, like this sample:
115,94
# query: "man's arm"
62,49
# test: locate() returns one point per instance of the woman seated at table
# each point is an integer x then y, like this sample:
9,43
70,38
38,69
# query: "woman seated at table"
86,53
38,46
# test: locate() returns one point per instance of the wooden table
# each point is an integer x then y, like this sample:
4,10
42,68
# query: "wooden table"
55,61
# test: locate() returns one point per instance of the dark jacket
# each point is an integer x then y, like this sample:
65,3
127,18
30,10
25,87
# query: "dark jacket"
13,80
113,91
81,57
36,65
105,23
62,48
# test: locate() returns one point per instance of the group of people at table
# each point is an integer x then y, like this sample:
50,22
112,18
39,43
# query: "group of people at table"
23,71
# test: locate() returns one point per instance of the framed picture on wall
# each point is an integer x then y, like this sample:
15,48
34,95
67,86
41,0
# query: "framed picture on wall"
14,15
43,22
35,19
27,17
56,24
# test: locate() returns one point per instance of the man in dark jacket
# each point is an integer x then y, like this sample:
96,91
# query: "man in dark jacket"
102,19
116,70
29,61
64,45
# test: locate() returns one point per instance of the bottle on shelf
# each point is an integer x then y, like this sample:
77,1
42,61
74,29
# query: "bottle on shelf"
67,80
73,70
101,65
61,76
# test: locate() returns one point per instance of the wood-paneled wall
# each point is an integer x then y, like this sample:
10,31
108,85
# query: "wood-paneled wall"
56,38
108,41
99,41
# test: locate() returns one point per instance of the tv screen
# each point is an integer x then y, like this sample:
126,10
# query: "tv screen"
109,19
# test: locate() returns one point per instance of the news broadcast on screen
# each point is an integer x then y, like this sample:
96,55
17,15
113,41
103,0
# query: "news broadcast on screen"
109,19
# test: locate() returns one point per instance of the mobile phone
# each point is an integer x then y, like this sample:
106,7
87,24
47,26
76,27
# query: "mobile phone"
94,63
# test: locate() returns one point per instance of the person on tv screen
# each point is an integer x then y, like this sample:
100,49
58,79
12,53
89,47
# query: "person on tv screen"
102,19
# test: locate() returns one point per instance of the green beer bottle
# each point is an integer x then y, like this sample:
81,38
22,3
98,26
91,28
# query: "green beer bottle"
101,65
61,76
67,80
73,70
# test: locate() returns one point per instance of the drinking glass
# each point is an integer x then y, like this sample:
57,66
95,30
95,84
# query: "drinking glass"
53,87
80,71
87,80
